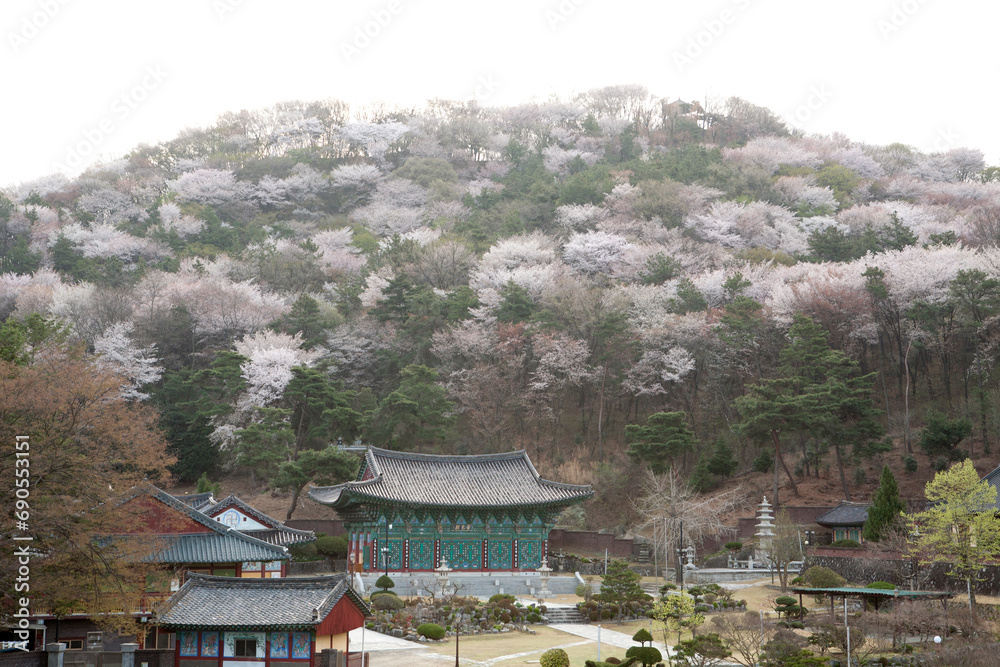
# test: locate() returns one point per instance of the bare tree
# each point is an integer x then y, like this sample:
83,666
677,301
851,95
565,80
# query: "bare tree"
745,634
671,500
784,547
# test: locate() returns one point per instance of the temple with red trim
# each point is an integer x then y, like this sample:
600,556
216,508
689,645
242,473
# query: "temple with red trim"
235,622
409,512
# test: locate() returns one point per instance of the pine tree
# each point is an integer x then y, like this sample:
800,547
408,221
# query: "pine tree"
884,514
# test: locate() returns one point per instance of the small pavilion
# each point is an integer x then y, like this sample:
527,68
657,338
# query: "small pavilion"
233,622
876,596
409,512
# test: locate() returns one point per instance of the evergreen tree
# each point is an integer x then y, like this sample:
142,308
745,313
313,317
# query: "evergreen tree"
722,462
885,513
621,585
664,436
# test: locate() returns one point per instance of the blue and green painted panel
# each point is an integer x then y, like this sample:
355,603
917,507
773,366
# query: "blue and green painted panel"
529,554
422,555
462,554
500,554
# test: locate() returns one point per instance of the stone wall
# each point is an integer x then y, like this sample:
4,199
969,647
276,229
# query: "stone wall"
590,543
862,566
23,659
163,657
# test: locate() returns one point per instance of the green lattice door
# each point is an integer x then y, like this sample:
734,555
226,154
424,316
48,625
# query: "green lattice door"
422,555
462,554
529,554
500,554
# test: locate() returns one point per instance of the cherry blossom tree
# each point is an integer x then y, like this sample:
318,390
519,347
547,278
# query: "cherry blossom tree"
771,152
210,186
374,139
117,352
595,252
656,369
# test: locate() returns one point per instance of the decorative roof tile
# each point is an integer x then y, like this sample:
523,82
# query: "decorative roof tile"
845,514
221,603
220,545
429,480
279,533
198,501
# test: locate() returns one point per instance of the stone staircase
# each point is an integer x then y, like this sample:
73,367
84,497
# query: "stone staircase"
565,615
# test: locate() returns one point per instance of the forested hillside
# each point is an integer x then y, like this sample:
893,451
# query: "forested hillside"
465,279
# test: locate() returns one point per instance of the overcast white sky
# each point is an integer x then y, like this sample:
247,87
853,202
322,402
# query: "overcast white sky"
116,73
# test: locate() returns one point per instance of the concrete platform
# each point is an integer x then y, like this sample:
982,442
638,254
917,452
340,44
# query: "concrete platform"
476,584
724,575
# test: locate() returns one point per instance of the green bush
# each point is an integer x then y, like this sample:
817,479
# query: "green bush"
647,655
385,582
763,461
882,585
430,630
501,598
387,602
822,577
852,544
332,546
642,636
304,552
734,546
554,657
910,463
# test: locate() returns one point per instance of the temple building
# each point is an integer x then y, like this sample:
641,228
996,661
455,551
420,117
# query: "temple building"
234,622
410,512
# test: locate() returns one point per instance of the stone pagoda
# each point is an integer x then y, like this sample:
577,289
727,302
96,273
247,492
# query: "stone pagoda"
765,531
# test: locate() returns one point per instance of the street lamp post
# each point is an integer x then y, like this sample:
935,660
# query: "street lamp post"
385,547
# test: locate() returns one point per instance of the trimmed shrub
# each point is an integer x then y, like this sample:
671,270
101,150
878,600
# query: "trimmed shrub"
851,544
647,655
332,546
882,585
387,602
304,552
642,636
385,582
505,617
554,657
734,546
822,577
500,598
430,630
613,661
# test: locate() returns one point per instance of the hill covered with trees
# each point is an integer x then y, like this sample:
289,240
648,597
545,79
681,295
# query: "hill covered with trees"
467,279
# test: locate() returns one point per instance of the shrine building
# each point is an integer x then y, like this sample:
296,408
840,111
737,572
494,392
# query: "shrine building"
237,622
409,512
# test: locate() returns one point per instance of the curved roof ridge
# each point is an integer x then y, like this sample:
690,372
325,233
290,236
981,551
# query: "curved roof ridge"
503,479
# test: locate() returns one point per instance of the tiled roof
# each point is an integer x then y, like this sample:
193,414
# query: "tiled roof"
430,480
254,604
279,534
845,514
199,501
227,547
221,545
993,477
